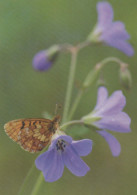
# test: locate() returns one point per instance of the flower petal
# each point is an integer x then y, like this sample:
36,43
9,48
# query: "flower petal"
116,37
55,170
105,14
117,31
82,147
112,142
114,104
122,45
120,123
74,163
51,164
101,97
44,159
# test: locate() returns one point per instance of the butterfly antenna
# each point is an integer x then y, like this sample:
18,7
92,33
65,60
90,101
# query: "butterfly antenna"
57,108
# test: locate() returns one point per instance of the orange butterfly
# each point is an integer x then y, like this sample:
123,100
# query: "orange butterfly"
32,134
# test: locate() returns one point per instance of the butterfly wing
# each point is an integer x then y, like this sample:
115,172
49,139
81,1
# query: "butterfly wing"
32,134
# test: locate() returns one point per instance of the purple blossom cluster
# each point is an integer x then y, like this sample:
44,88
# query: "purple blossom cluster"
108,114
63,151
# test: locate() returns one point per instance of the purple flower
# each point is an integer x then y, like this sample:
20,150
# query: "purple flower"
108,114
44,59
41,61
112,33
64,151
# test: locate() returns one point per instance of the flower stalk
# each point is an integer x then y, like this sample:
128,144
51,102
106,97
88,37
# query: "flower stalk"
89,81
70,84
70,123
36,188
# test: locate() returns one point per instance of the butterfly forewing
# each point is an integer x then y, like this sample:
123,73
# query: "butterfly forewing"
32,134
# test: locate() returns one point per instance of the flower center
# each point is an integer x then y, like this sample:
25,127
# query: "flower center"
60,145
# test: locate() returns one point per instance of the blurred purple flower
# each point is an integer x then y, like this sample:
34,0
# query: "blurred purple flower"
44,59
108,114
112,33
64,151
41,61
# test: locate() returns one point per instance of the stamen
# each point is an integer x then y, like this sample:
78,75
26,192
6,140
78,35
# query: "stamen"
60,145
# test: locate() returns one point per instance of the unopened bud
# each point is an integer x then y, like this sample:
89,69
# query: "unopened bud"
92,76
125,77
44,59
101,82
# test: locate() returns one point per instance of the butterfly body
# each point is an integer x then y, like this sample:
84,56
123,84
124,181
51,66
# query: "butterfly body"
32,134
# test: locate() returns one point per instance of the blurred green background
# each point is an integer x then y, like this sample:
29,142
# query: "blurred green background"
29,26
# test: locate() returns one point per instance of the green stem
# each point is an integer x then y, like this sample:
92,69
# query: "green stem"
110,59
25,187
35,190
70,123
83,45
89,80
32,177
75,104
70,84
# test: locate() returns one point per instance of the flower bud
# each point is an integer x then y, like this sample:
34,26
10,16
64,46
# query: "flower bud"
44,59
101,82
92,76
125,77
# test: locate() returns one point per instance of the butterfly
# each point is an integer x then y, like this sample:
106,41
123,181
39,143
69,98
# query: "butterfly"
33,134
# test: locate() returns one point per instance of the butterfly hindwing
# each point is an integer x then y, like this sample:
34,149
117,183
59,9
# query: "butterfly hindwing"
32,134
